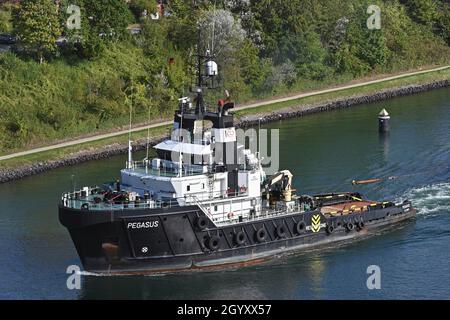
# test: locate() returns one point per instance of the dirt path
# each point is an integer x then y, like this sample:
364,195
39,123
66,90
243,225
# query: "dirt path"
248,106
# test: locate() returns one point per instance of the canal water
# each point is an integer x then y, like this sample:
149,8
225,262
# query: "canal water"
325,152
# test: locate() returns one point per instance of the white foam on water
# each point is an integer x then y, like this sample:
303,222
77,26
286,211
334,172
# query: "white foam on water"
92,274
429,199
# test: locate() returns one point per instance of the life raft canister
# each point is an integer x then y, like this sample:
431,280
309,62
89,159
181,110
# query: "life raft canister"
201,223
260,235
213,243
239,238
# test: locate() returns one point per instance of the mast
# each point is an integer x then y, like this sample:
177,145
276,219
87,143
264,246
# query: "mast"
130,147
180,156
200,103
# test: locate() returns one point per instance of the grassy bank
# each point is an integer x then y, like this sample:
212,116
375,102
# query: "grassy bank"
51,93
367,89
163,130
65,152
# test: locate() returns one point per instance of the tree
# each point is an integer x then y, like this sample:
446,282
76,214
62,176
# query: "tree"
108,18
423,11
140,8
5,17
221,33
101,22
444,22
36,24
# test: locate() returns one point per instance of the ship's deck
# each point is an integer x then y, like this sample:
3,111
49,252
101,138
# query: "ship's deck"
345,208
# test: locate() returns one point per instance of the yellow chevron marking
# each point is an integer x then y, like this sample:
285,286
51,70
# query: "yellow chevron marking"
315,223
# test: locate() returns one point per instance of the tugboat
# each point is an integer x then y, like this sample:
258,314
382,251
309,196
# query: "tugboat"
205,202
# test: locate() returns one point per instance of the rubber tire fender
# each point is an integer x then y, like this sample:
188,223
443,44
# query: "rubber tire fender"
201,222
239,238
260,235
300,227
330,228
349,226
213,243
360,225
280,231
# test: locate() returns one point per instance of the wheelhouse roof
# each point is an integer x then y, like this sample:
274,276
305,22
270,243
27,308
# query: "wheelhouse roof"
190,148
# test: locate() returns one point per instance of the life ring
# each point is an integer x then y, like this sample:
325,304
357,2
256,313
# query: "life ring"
349,226
260,235
201,223
97,199
300,227
330,228
243,189
230,215
213,243
239,238
280,232
165,205
85,206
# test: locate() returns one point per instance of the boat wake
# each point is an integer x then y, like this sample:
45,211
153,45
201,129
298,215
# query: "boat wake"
95,274
92,274
430,199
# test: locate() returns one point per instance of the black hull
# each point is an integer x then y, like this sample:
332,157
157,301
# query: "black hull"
170,240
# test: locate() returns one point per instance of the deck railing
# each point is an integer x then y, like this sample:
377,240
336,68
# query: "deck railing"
166,170
87,198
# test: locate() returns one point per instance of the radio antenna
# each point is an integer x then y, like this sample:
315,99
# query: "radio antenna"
148,133
213,28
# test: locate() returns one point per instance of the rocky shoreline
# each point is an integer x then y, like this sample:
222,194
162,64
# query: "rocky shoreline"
245,121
